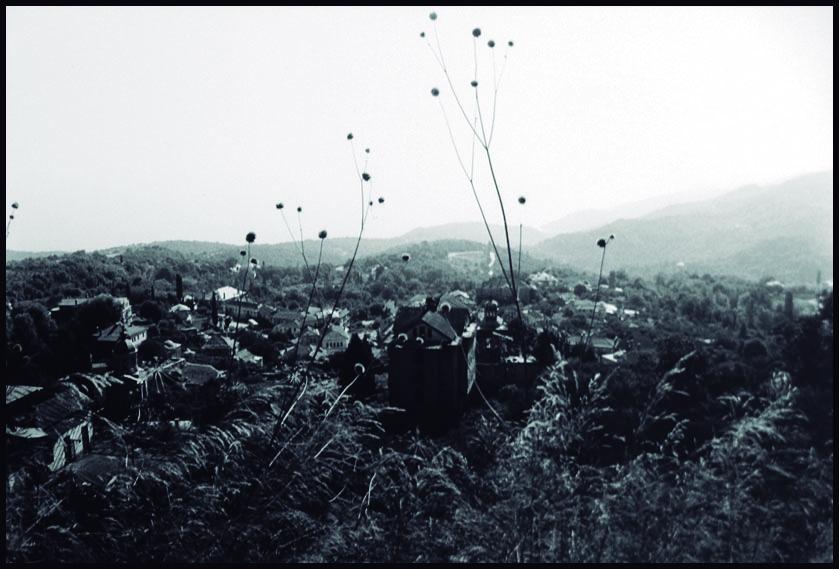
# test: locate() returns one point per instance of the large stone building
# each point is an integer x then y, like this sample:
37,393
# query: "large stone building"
432,365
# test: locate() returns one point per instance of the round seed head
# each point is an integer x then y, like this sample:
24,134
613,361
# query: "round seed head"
243,252
491,43
322,234
422,34
367,150
601,243
280,205
510,43
433,15
253,261
12,216
381,199
299,209
435,91
476,32
365,176
406,257
522,200
473,83
250,237
349,136
15,205
370,203
611,237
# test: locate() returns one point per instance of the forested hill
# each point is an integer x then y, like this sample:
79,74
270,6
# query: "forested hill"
783,230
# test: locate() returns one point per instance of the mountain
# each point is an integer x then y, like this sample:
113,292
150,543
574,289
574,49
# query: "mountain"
21,255
783,230
335,249
472,231
587,219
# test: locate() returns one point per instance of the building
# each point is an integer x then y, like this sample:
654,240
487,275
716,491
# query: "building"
503,294
432,366
286,321
181,312
199,374
336,340
249,359
240,308
227,293
55,432
216,352
67,309
115,347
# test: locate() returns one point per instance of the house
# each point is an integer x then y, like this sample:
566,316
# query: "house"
55,432
173,349
249,359
337,339
67,309
115,347
199,374
597,344
542,278
215,352
266,312
240,308
500,292
109,336
181,312
431,365
227,293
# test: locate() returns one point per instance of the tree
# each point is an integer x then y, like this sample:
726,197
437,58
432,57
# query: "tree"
546,344
214,309
151,349
152,310
99,312
358,351
179,287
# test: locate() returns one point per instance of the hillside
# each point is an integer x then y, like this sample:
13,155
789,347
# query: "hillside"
785,230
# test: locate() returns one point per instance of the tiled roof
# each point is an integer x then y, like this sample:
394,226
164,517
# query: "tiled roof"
439,323
15,392
406,317
68,402
113,333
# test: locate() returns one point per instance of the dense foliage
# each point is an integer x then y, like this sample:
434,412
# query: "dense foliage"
711,441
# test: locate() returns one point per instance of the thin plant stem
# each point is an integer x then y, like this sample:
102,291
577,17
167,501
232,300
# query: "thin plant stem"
507,236
594,310
347,272
239,303
471,180
309,301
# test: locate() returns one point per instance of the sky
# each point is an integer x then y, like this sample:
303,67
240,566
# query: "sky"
130,125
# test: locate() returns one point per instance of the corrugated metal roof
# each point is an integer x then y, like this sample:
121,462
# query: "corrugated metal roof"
67,402
15,392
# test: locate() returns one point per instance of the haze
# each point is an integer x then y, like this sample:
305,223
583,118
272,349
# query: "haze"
128,125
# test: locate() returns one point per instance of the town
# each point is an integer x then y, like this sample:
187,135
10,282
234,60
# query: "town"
430,356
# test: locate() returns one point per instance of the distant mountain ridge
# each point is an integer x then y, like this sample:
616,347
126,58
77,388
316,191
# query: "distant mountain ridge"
783,230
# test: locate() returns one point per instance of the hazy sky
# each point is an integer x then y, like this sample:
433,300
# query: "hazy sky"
128,125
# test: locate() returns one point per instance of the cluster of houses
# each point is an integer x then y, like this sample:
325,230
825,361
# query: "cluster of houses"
437,350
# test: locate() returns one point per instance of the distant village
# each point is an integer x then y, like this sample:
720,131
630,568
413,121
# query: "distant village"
431,353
